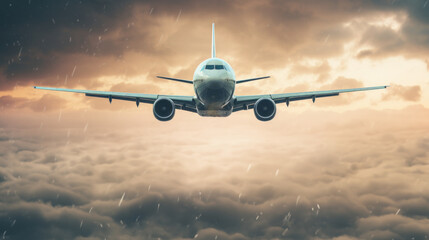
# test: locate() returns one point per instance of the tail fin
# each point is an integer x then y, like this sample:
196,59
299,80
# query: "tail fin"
213,41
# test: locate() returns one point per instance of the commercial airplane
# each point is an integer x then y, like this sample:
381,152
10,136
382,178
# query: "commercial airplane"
214,84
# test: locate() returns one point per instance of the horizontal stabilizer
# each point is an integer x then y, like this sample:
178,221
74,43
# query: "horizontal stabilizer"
251,79
176,79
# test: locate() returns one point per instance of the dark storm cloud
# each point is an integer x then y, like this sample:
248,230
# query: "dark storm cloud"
49,41
65,180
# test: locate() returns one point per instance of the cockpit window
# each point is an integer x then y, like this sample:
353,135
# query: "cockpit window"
210,67
218,67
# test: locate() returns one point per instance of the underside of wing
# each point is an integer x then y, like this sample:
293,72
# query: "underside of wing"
248,102
186,103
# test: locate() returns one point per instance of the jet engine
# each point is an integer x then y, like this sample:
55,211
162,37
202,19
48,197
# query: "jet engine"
163,109
265,109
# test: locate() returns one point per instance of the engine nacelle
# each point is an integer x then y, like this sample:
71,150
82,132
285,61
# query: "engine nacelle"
265,109
163,109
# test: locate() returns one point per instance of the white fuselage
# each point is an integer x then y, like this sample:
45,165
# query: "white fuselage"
214,85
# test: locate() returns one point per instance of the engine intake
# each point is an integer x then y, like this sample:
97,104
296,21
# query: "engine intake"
265,109
163,109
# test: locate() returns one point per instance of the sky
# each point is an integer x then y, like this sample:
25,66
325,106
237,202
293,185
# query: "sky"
348,167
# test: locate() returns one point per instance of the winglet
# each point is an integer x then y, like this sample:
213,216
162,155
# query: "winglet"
213,41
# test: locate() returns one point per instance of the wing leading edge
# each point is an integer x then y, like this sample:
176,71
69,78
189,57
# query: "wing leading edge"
186,103
247,102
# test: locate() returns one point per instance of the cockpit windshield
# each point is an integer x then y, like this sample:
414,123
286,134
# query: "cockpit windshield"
217,67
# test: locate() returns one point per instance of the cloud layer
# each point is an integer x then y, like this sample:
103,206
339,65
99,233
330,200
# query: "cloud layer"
362,177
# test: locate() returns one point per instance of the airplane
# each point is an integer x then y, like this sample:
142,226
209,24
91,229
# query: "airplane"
214,85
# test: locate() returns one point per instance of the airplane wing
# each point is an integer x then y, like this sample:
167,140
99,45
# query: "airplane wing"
186,103
247,102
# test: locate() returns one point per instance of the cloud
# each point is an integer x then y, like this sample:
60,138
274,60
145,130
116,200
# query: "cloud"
48,43
47,102
407,93
323,69
350,185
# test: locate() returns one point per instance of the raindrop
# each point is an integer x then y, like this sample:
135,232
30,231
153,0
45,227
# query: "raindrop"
19,53
397,212
74,69
249,167
178,16
326,39
85,128
297,200
317,231
285,231
81,223
287,218
277,172
122,199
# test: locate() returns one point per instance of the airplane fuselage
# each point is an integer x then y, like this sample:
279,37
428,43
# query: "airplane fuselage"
214,86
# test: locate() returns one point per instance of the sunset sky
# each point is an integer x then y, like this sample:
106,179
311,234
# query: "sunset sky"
349,167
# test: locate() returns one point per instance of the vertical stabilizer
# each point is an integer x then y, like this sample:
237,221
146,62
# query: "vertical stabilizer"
213,41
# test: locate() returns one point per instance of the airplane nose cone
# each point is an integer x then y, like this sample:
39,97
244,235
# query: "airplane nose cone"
214,92
215,83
